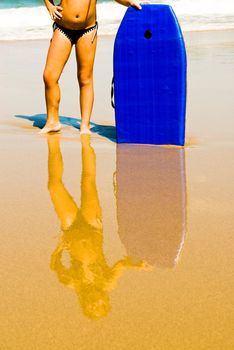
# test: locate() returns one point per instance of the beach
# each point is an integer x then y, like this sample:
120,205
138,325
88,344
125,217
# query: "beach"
160,238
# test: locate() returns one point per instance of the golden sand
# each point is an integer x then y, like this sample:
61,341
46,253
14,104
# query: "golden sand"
118,247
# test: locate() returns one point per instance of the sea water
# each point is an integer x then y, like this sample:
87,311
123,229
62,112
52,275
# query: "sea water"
29,19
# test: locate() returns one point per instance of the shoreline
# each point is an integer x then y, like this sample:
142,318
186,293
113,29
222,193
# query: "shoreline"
111,35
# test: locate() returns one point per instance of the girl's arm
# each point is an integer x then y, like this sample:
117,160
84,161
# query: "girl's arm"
54,11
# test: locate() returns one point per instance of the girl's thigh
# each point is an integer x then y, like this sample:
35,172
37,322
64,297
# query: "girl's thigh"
58,54
85,55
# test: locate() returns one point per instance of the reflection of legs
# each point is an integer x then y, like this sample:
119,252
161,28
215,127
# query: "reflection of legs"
90,206
58,54
85,54
64,204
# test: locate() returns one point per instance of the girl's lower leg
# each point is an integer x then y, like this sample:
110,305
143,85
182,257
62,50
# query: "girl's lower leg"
86,104
52,96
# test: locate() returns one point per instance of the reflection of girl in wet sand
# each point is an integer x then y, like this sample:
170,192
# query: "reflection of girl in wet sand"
82,235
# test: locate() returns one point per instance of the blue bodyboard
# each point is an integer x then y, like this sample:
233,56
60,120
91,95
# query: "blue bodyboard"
150,77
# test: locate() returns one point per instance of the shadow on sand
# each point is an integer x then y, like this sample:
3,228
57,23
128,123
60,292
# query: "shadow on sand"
39,120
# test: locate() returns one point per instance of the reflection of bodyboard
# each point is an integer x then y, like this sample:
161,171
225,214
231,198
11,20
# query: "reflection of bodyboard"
150,77
151,202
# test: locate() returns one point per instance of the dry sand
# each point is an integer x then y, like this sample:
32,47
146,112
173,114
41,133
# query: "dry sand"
148,261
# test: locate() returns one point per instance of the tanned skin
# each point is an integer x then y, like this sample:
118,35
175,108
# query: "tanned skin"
72,14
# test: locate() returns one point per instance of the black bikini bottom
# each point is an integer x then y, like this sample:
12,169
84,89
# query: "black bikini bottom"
75,34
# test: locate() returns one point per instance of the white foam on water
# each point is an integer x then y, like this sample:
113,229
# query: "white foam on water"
35,23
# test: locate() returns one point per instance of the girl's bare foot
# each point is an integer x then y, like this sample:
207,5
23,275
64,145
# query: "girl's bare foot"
50,127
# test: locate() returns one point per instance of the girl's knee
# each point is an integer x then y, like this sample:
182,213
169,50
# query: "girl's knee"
85,79
49,78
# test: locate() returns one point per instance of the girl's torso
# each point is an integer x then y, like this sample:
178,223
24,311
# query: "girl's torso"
77,14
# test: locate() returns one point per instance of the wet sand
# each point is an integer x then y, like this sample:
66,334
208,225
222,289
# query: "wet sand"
116,247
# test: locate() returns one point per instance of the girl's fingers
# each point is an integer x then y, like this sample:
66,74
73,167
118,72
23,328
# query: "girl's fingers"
57,14
136,5
53,16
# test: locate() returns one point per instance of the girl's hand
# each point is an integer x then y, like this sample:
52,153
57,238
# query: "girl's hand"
55,12
137,3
